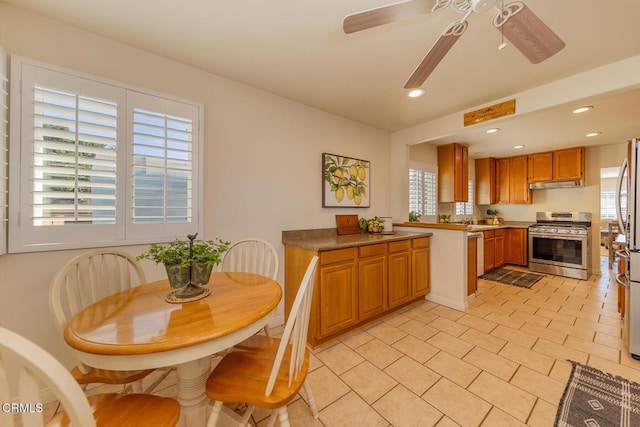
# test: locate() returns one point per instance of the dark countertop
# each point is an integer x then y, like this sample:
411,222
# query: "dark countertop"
326,239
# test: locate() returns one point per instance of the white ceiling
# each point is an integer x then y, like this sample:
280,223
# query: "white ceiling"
296,49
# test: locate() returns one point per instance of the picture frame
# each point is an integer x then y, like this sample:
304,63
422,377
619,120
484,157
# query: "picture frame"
345,182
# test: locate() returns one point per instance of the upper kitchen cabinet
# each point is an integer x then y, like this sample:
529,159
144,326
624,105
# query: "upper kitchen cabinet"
511,181
502,181
519,191
558,165
540,167
453,173
568,164
486,181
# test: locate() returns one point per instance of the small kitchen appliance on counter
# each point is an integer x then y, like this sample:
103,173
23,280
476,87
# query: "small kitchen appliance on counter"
560,243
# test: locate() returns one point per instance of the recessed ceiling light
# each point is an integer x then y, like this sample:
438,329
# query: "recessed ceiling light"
416,93
518,147
590,134
582,109
492,130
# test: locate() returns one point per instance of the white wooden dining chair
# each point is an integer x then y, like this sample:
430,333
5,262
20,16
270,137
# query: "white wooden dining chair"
268,372
34,370
84,280
252,256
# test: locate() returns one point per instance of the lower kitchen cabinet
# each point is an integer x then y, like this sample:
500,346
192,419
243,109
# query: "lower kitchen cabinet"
338,290
501,258
516,246
399,273
505,246
420,266
358,284
372,280
472,267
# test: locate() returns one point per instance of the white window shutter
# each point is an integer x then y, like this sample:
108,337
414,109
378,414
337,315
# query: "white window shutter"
97,163
4,158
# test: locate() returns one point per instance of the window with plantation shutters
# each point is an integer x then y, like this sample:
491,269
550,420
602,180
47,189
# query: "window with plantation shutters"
3,152
423,187
74,158
101,164
466,208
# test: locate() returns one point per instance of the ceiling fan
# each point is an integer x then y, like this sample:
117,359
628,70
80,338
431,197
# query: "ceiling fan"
532,37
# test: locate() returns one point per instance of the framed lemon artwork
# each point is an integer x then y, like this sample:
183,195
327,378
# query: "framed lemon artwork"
345,182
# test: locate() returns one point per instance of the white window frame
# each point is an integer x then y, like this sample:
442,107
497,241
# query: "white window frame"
4,165
433,169
23,235
466,208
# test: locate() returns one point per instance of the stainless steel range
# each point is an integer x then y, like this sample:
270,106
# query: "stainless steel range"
560,243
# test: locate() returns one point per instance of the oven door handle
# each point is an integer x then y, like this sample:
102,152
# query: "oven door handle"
558,236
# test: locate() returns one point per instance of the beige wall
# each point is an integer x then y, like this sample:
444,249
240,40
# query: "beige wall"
262,157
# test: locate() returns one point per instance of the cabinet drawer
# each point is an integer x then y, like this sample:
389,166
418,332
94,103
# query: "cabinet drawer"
402,245
339,255
500,232
372,250
422,242
489,234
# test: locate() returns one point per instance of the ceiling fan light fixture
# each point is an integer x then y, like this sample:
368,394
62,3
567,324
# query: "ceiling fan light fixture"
415,93
592,134
583,109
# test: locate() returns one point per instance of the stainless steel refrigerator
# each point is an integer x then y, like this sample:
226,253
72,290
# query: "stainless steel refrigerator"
630,223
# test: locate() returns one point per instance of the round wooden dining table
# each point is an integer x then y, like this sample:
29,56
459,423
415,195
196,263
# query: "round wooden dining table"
137,329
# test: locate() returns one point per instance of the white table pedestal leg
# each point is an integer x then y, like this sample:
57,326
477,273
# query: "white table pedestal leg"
192,377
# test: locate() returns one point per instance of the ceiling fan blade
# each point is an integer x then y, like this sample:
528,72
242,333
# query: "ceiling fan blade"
532,37
386,14
439,49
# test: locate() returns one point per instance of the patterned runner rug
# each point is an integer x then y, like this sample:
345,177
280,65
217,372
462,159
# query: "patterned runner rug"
595,399
512,277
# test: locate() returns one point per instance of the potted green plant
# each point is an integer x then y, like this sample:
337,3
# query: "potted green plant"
493,213
414,216
187,262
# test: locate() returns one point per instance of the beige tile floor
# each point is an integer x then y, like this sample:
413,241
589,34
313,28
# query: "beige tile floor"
500,363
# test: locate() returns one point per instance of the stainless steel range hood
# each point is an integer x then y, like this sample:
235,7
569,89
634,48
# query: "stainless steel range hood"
557,184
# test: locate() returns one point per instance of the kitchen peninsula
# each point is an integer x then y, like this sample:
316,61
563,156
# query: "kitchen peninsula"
360,277
450,266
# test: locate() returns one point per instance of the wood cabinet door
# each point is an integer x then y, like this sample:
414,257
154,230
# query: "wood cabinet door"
461,173
420,271
372,286
453,173
499,248
516,246
518,181
568,164
489,253
486,181
472,268
399,278
502,181
338,297
540,167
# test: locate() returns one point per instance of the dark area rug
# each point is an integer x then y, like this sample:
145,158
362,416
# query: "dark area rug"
512,277
594,398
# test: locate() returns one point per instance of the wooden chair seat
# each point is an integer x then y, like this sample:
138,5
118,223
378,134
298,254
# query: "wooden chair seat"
118,410
268,372
36,370
104,376
242,373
